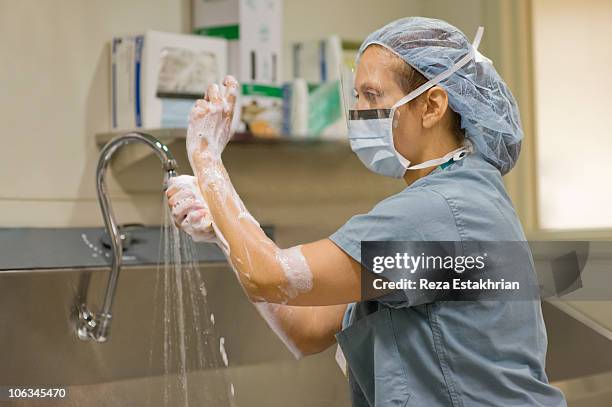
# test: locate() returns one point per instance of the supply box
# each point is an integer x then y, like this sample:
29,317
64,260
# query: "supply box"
312,101
157,76
261,111
317,61
254,31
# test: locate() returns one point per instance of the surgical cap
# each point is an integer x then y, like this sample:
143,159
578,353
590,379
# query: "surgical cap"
489,113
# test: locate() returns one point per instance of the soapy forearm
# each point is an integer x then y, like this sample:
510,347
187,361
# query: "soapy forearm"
266,272
242,240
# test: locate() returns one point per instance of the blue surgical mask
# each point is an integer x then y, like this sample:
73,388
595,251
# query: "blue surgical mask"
370,131
372,141
371,138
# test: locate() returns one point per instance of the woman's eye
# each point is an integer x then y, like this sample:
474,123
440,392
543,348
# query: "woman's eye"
370,96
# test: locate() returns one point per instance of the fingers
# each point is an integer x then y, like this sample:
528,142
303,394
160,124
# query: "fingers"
173,194
189,210
174,185
201,109
210,121
198,224
194,217
181,195
185,207
198,217
231,92
181,207
204,235
205,106
196,220
213,96
185,199
182,181
172,189
216,100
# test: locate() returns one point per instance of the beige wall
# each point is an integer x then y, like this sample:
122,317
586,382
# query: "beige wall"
572,62
572,94
54,98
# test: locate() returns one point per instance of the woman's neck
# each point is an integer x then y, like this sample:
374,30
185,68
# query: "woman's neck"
411,176
447,144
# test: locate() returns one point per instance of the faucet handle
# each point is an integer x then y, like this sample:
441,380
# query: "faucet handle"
86,324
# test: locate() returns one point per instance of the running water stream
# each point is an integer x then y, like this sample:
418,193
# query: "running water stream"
192,351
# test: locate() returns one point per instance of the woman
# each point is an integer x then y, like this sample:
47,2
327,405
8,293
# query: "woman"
431,110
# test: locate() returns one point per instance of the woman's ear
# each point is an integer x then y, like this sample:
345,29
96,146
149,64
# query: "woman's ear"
436,105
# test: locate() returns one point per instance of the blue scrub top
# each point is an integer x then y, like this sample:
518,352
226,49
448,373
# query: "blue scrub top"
441,353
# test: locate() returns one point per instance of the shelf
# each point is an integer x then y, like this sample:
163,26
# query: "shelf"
168,136
174,138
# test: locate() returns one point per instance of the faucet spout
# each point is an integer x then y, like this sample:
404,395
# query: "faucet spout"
96,326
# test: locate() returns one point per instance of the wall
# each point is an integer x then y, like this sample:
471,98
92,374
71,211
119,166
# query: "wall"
573,87
572,101
55,98
355,19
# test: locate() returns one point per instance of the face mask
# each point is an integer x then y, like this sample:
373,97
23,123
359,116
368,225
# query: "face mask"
370,132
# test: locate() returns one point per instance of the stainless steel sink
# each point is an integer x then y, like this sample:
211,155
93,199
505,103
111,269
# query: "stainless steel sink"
39,345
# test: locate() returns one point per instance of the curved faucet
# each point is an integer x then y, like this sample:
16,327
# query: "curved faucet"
95,326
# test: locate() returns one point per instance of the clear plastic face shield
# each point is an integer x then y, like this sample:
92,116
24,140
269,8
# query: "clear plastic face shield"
371,100
370,92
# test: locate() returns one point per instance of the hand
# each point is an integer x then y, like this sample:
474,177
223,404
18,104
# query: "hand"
210,122
189,210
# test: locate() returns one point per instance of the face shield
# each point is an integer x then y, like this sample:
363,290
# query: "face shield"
371,106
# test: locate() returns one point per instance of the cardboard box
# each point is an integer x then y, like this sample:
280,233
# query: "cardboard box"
254,31
260,111
156,77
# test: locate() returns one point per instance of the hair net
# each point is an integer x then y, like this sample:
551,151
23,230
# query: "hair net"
489,113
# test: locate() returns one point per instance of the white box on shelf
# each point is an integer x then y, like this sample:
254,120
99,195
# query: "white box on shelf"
317,61
254,31
156,76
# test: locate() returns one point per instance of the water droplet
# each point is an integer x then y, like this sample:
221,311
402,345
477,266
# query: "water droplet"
222,351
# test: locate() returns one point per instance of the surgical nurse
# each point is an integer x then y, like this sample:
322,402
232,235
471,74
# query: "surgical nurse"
430,109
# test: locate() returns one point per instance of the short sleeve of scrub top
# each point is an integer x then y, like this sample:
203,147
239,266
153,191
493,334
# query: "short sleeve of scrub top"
415,214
